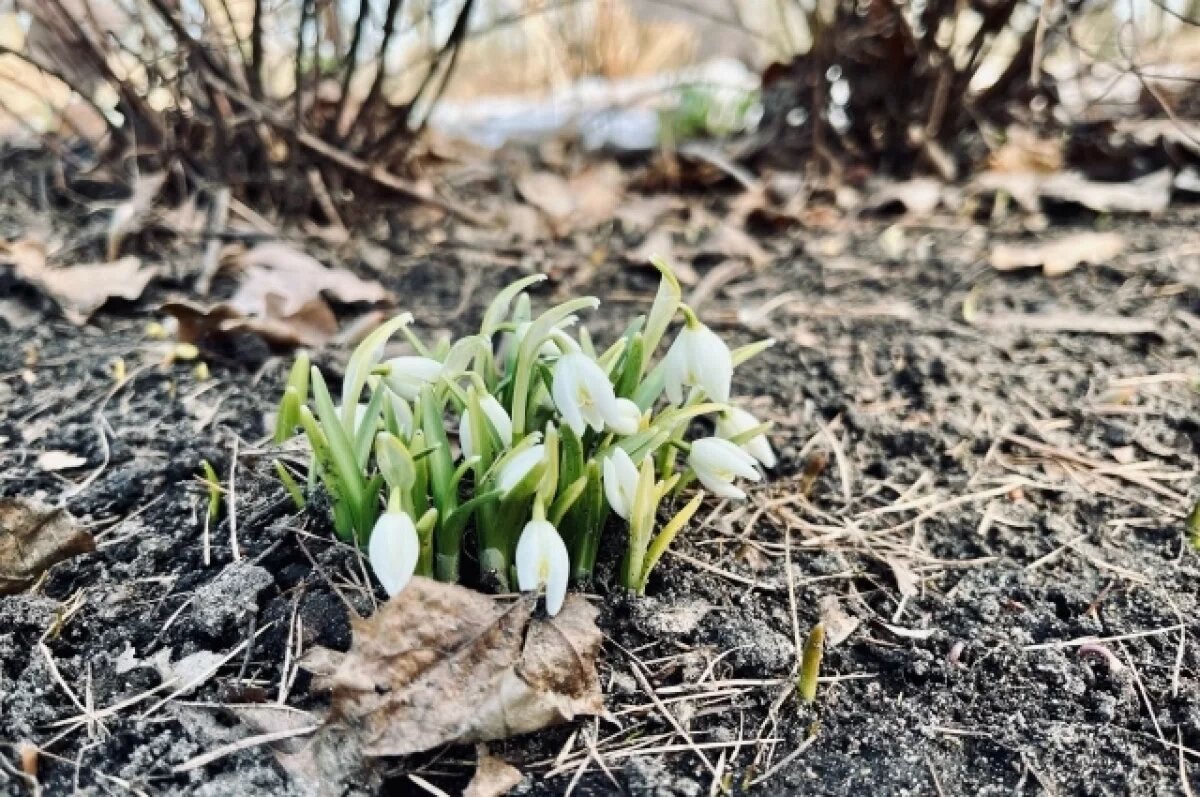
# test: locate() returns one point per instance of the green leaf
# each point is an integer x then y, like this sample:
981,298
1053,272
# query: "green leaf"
666,304
341,450
289,484
441,464
663,540
288,416
365,357
744,353
565,500
646,393
364,435
456,521
630,373
570,461
549,481
497,311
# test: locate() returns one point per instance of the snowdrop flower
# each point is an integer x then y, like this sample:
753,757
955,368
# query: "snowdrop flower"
585,397
718,462
407,375
630,415
519,466
736,421
542,561
499,419
620,481
393,550
698,358
404,414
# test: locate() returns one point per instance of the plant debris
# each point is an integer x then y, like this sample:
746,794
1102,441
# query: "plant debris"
280,298
492,778
442,663
79,290
34,537
1061,256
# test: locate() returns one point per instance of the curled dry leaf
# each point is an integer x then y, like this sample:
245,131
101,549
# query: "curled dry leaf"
838,624
79,290
578,203
1062,256
1149,194
280,299
493,777
33,537
441,663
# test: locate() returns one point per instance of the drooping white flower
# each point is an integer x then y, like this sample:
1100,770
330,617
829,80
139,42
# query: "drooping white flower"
542,561
407,375
630,416
519,466
698,358
620,481
717,462
734,422
394,550
403,413
499,419
584,396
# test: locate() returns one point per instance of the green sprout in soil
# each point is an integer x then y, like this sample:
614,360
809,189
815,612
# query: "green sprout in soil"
810,663
553,437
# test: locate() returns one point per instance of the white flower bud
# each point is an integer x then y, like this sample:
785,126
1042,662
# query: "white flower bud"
542,561
698,358
736,421
620,481
718,462
499,419
407,375
393,550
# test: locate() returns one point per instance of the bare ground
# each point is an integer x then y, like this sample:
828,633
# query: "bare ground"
963,501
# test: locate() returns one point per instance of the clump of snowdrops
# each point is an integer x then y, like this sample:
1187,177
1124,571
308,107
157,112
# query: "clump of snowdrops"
524,439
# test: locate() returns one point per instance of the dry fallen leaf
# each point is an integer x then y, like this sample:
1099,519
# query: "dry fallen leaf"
1149,194
59,460
314,324
493,777
1062,256
660,242
280,299
34,537
838,624
129,216
919,197
1082,323
79,290
441,663
294,278
583,201
1024,151
907,582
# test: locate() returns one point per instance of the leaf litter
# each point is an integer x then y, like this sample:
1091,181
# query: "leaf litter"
440,663
33,538
280,297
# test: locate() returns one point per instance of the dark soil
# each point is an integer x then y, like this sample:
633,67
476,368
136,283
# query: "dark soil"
967,681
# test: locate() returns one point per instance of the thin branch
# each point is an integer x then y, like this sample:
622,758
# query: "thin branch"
389,30
334,125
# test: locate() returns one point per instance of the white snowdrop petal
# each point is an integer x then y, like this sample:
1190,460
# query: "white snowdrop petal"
563,390
465,441
713,363
542,561
620,481
673,367
499,419
393,550
516,468
628,417
407,375
719,487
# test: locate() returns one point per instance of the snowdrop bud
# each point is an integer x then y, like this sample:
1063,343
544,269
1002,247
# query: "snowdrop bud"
718,462
542,561
583,394
499,419
393,550
548,348
407,375
403,413
519,466
698,358
620,481
629,415
360,414
735,422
